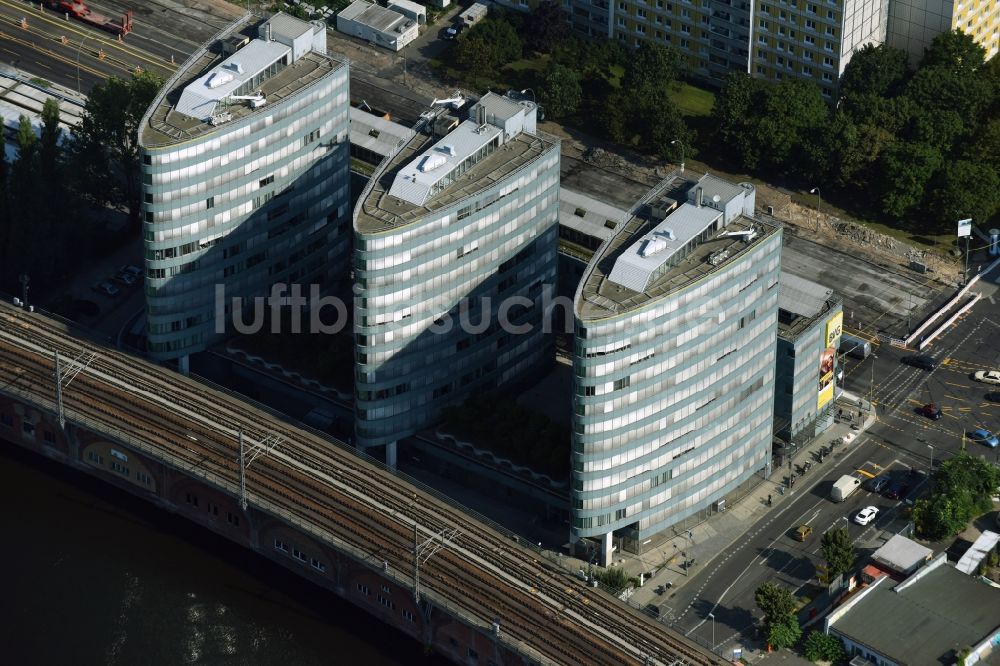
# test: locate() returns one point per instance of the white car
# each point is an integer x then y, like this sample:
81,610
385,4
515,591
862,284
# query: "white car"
866,515
987,376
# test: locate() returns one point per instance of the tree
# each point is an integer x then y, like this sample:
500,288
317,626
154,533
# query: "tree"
547,28
650,72
775,601
488,45
561,91
961,189
905,169
984,146
875,70
783,120
838,551
963,488
824,647
108,133
784,633
732,111
955,51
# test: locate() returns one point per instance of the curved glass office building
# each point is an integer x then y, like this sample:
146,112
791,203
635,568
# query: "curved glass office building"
455,248
245,178
674,360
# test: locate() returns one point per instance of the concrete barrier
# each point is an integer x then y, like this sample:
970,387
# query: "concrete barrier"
951,320
947,306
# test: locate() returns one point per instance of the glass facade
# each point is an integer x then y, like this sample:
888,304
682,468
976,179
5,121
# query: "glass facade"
673,398
451,303
259,200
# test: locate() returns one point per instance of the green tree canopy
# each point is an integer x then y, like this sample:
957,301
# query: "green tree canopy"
108,134
488,45
875,70
784,633
824,647
546,28
838,551
775,601
955,51
561,91
650,72
905,169
963,488
961,189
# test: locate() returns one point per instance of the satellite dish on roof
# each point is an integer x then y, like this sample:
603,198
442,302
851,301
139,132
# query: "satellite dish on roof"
716,198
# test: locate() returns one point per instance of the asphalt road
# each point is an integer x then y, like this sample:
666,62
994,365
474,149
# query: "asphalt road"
896,443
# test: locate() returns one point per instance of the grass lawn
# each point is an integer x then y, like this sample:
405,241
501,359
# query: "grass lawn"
691,100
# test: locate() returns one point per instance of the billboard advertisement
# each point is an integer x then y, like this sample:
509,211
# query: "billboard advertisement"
834,328
825,396
826,361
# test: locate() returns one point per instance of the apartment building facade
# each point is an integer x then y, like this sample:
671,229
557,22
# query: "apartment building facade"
455,248
245,179
913,24
673,364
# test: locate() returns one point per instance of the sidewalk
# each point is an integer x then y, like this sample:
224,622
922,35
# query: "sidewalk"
706,541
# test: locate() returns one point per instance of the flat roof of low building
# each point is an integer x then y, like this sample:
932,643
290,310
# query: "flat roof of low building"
375,133
602,293
801,303
926,619
902,554
588,215
978,552
372,15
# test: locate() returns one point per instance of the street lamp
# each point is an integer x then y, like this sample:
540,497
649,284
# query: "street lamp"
78,51
819,204
712,617
529,90
871,385
932,458
681,144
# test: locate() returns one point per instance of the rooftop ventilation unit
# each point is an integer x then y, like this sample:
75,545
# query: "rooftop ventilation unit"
236,67
652,246
430,162
448,149
219,78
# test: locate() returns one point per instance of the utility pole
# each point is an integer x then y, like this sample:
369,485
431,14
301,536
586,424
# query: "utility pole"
63,380
256,449
24,279
423,552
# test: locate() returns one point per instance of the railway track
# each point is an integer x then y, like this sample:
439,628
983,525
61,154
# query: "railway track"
481,571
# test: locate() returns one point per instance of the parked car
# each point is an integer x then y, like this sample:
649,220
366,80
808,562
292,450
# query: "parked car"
896,490
125,279
987,376
921,361
993,397
931,411
107,289
453,31
866,515
802,532
984,436
878,484
134,271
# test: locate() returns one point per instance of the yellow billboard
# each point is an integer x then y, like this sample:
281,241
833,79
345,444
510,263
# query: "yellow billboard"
834,328
825,396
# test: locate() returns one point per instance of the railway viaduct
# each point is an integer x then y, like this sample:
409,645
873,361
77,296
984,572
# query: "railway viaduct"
464,588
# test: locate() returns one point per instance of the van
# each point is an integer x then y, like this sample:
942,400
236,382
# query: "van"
844,487
921,361
855,347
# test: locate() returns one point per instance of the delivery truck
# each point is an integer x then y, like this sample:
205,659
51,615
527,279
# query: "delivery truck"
844,487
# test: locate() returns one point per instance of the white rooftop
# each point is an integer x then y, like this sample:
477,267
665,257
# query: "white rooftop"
416,181
201,97
375,133
638,264
902,554
978,552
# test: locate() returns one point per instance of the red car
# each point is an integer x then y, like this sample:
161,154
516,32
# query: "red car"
931,411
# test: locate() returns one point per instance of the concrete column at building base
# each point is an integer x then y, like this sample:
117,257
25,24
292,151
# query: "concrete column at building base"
607,548
390,455
184,365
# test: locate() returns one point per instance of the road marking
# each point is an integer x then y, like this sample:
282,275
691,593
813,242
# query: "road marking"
954,384
863,472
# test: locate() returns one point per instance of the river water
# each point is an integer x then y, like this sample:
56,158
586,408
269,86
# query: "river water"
92,575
